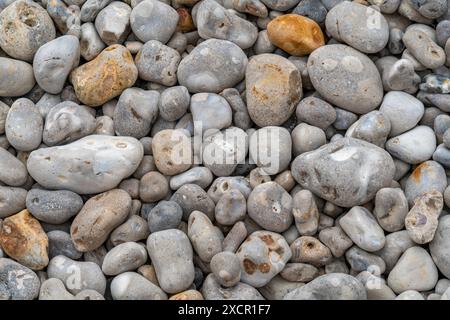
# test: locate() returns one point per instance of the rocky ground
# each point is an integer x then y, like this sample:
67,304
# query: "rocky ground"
224,149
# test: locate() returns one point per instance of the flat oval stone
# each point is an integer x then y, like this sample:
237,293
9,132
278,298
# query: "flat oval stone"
12,170
104,77
16,77
50,167
24,27
172,248
53,62
24,125
98,217
12,200
262,256
346,78
295,34
363,169
54,207
414,146
212,66
23,239
18,282
127,256
440,246
273,89
361,27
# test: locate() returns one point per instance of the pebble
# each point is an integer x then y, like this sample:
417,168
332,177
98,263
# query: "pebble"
307,249
262,256
113,23
307,138
67,122
212,290
24,27
210,111
440,244
50,166
105,76
346,78
98,217
19,282
360,260
191,198
200,176
414,271
124,257
373,127
89,294
23,239
391,208
133,286
350,185
12,200
226,268
274,87
77,275
336,240
409,295
172,247
16,76
316,112
364,28
414,146
135,112
336,286
231,208
90,42
60,243
312,9
296,34
158,63
12,171
54,289
212,66
206,239
396,244
173,103
165,215
305,213
153,20
360,225
54,61
134,229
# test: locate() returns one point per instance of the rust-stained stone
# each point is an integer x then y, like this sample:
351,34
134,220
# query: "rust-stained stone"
105,77
295,34
24,240
185,22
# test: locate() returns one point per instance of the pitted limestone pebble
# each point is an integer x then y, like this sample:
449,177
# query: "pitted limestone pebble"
55,207
361,27
165,215
90,42
336,240
133,286
12,200
373,127
316,112
113,23
104,77
224,150
172,151
98,217
23,239
346,78
127,256
173,102
231,208
307,138
24,125
271,207
214,21
358,160
212,290
262,256
18,282
439,247
50,167
24,27
258,176
212,66
210,111
270,148
172,247
391,208
191,198
226,267
427,177
305,212
422,220
335,286
67,122
158,63
134,229
273,89
306,249
135,112
415,270
60,243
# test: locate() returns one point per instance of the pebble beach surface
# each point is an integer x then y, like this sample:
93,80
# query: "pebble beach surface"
224,150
